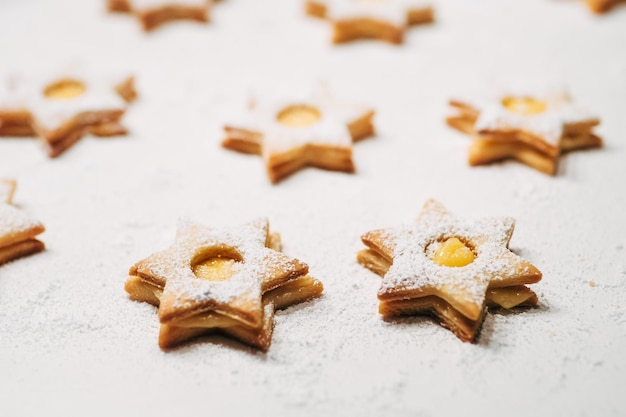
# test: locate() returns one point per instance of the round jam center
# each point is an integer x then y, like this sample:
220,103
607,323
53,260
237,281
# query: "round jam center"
64,89
453,253
524,105
216,266
298,116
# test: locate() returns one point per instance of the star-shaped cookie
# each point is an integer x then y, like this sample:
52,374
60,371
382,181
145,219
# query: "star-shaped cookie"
602,6
534,130
61,110
154,13
449,267
18,230
386,20
225,280
291,134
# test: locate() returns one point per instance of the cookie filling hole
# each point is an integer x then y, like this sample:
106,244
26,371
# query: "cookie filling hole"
524,105
299,115
454,253
64,89
216,265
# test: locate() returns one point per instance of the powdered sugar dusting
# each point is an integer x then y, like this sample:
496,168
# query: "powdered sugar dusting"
27,93
14,220
331,129
548,125
173,266
413,269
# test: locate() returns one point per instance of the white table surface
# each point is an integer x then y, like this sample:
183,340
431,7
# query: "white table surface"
73,344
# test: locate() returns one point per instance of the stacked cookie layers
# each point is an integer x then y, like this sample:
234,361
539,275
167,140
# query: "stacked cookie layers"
18,230
449,268
216,280
60,111
534,131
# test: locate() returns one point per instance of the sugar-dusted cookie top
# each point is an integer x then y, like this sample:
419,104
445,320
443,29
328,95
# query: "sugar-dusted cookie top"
61,109
228,279
254,267
412,248
16,224
545,114
378,19
7,189
54,101
154,13
312,130
446,265
532,128
18,229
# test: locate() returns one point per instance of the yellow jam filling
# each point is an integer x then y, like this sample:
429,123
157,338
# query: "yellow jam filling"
214,269
524,105
453,252
298,116
64,89
509,297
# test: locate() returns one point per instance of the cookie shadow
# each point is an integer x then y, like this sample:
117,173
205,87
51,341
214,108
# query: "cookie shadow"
486,332
220,340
